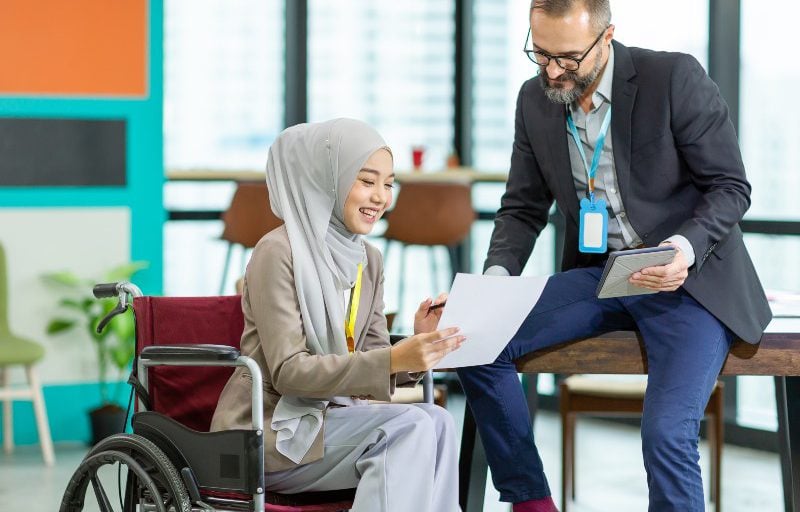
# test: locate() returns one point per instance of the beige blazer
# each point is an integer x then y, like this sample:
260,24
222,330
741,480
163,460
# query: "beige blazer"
273,336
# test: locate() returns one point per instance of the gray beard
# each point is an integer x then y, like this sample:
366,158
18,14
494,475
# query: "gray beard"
566,96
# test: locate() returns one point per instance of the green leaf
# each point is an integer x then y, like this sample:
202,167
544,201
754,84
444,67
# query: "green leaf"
123,327
63,278
126,271
105,305
87,305
122,355
71,303
59,325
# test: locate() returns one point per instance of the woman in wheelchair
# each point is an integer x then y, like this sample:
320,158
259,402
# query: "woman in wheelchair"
314,322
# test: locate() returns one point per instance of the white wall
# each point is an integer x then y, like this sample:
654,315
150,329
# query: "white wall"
86,241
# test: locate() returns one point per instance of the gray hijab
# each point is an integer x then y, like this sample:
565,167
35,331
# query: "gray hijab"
310,171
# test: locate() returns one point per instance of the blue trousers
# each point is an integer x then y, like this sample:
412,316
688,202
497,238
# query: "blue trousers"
686,347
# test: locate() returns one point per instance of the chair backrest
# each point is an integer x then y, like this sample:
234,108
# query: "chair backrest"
249,216
184,393
4,329
431,213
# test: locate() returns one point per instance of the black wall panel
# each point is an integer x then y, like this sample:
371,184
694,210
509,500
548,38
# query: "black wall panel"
62,152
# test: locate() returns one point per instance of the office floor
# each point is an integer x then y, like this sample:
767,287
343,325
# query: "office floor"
610,474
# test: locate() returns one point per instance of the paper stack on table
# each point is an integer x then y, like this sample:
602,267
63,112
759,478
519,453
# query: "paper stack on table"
785,311
783,303
489,310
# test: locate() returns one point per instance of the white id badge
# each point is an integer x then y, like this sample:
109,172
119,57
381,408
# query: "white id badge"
593,234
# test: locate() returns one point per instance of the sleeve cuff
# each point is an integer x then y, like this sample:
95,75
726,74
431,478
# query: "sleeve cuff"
683,243
376,370
496,270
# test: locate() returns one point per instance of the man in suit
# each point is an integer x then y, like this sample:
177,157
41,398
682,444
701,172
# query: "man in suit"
670,172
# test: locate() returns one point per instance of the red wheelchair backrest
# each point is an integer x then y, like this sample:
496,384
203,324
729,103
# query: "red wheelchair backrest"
188,394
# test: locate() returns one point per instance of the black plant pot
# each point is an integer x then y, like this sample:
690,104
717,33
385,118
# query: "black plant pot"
106,420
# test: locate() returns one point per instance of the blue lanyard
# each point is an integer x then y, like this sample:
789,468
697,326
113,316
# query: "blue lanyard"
598,148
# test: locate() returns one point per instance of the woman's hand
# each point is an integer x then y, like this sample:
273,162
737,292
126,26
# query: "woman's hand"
421,352
427,319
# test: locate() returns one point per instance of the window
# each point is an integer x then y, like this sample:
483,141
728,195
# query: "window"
767,127
223,107
499,69
223,82
768,134
389,64
677,26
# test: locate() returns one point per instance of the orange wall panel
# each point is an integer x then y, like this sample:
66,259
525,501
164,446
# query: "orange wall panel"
73,47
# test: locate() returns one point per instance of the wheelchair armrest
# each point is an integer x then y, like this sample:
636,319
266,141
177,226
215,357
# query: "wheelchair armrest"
194,353
205,355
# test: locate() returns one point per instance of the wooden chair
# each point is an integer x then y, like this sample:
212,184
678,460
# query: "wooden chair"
582,395
247,219
18,351
429,213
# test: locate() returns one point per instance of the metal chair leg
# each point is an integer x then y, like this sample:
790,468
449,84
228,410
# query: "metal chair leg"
225,269
42,425
401,288
434,271
715,436
567,449
8,411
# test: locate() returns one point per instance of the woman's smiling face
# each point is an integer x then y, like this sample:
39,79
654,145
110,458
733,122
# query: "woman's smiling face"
371,194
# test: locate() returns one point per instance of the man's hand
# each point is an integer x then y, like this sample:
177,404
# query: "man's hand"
663,278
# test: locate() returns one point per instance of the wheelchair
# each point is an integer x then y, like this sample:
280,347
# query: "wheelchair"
170,462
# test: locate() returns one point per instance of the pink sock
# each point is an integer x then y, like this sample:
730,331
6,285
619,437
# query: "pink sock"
540,505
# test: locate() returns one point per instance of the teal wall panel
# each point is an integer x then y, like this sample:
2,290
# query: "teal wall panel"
143,193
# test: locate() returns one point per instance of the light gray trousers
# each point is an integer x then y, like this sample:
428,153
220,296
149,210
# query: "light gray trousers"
398,457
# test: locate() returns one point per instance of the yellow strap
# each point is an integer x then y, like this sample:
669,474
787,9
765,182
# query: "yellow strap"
350,324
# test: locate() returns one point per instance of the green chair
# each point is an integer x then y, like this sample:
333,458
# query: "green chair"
16,351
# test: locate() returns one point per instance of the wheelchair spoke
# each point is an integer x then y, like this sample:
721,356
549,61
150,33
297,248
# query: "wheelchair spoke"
100,494
131,491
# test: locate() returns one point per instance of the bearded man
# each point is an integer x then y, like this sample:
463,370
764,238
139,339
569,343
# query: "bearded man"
645,138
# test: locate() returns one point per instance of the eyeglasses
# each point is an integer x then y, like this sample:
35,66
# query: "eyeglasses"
567,63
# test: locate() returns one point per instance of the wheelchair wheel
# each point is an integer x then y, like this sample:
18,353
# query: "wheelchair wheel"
151,481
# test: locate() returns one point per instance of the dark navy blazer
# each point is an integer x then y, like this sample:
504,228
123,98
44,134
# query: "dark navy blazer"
679,171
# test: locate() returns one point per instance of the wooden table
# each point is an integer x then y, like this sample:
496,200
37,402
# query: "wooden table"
465,174
623,352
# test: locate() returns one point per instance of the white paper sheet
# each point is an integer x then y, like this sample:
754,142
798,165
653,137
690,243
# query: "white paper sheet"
489,310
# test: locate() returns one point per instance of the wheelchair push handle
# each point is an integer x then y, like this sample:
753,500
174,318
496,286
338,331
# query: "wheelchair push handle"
105,290
122,291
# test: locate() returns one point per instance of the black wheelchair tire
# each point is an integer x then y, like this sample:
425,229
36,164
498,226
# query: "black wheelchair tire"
146,463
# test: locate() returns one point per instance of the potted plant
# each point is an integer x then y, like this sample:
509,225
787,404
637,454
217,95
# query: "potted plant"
115,346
